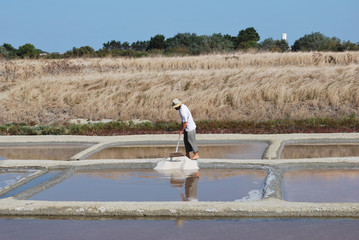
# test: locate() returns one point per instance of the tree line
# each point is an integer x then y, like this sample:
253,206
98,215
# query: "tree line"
188,44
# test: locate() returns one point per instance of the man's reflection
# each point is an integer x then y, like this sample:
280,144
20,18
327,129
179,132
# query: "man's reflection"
191,183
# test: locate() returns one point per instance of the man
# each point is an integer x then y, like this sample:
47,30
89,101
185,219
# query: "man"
188,128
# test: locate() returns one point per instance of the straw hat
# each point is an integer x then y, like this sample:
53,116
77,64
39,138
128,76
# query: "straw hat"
176,103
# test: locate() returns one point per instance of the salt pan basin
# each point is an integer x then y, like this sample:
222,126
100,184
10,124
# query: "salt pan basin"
248,150
150,185
51,151
321,185
317,150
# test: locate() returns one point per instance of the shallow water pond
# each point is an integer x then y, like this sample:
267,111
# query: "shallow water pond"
269,229
150,185
320,150
321,185
252,150
41,151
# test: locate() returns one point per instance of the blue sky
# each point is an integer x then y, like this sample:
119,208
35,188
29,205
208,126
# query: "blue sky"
59,25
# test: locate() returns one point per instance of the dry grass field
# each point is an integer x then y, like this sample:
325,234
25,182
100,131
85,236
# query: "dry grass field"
241,86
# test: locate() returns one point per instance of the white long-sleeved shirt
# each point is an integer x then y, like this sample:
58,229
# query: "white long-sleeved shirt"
186,116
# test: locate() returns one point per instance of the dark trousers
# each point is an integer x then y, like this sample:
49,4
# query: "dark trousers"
189,139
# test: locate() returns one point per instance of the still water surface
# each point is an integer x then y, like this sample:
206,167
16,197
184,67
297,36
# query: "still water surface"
251,150
150,185
321,185
320,150
42,152
249,229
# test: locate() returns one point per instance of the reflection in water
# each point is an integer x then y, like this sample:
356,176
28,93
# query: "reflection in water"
249,229
253,150
149,185
209,174
320,150
321,185
191,183
44,152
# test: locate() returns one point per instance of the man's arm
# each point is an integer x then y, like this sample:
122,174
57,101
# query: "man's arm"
184,124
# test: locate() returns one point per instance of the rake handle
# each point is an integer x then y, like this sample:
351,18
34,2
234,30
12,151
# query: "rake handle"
178,142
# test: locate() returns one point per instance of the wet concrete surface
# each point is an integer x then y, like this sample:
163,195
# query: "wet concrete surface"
251,150
150,185
41,151
270,229
320,185
320,150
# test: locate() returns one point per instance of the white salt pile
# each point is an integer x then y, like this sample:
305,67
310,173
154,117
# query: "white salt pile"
182,162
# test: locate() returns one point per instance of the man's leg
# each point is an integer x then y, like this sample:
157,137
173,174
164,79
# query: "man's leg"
192,141
187,145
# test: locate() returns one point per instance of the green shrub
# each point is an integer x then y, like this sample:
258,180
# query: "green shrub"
28,51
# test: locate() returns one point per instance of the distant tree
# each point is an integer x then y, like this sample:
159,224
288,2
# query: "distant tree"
233,39
191,43
139,45
282,45
334,44
125,45
127,53
102,52
317,42
201,44
247,38
117,45
54,55
8,51
183,43
157,42
28,51
247,45
2,52
267,44
349,46
218,42
247,35
181,39
9,48
274,45
85,51
112,45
